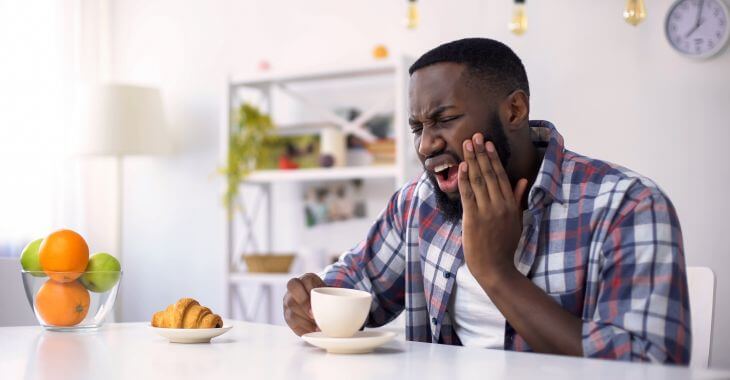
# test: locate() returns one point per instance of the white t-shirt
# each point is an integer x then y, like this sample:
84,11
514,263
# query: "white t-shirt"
476,319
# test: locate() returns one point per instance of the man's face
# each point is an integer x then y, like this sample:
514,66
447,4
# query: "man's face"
445,111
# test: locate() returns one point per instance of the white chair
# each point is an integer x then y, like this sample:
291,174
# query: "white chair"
701,283
15,310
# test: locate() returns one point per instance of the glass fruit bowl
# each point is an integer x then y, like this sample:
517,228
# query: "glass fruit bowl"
71,301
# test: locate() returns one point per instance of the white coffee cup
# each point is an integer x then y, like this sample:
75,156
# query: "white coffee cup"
340,312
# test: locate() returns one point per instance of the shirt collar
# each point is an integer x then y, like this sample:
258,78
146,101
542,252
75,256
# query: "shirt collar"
548,183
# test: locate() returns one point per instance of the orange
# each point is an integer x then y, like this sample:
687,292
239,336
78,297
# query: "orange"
62,303
380,52
66,252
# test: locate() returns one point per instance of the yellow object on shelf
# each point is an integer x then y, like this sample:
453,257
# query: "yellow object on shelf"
383,151
412,16
635,12
518,24
273,263
380,52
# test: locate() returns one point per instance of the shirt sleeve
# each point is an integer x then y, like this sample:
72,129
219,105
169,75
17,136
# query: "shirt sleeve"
377,264
642,311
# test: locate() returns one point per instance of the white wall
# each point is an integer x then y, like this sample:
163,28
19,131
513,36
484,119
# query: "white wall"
616,92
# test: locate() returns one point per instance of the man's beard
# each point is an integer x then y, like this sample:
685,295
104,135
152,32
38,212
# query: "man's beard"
451,208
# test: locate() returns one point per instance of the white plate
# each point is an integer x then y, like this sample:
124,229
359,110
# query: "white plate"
361,343
191,335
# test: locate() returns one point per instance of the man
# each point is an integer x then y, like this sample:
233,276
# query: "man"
508,240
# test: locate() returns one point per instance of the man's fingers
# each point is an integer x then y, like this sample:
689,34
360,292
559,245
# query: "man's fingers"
487,169
468,202
303,310
499,172
520,190
297,307
301,313
311,281
476,180
297,290
298,314
299,325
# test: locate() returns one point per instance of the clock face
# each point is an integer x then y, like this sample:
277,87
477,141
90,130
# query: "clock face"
698,28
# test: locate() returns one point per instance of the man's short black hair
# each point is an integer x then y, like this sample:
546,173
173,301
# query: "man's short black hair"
491,63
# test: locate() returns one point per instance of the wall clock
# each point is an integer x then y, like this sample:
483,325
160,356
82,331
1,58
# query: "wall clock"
697,28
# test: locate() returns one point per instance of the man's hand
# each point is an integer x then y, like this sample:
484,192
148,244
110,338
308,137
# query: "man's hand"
492,225
492,219
297,308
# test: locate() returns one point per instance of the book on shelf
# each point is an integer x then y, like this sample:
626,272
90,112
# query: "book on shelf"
383,151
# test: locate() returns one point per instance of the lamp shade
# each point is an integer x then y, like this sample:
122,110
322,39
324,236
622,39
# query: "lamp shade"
120,120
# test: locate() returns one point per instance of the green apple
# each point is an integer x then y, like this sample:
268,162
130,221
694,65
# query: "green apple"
29,258
102,273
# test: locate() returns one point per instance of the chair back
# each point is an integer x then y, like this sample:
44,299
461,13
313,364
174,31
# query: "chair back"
701,284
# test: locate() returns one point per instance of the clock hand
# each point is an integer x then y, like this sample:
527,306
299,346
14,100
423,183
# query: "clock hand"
699,20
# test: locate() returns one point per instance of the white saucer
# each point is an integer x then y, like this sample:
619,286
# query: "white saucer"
361,343
191,335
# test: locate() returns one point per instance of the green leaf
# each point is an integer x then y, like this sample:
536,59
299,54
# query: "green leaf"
246,145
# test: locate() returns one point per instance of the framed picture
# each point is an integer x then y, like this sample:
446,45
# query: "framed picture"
334,202
290,152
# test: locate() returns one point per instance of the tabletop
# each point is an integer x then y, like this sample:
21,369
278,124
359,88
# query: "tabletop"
258,351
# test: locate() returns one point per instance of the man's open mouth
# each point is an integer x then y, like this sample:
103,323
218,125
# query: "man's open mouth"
447,177
445,169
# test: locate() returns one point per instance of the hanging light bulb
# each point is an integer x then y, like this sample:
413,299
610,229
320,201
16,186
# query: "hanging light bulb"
412,16
634,13
518,24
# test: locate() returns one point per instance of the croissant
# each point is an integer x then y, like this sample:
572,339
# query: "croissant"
186,313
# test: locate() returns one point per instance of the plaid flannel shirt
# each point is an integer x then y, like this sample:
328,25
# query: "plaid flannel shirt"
602,241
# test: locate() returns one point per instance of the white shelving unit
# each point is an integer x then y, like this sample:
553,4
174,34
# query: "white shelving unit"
324,174
261,86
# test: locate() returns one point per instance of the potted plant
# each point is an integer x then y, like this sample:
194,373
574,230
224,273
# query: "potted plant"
247,143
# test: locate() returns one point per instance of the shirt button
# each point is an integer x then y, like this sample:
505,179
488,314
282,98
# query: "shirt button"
447,274
435,321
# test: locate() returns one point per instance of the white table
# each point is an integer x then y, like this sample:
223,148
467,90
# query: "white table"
256,351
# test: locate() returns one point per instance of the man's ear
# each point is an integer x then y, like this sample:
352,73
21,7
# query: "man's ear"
516,109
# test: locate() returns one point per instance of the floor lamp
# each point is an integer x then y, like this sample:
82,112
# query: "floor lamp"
119,121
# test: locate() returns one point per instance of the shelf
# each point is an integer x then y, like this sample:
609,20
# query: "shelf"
260,278
297,129
265,78
321,174
311,94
